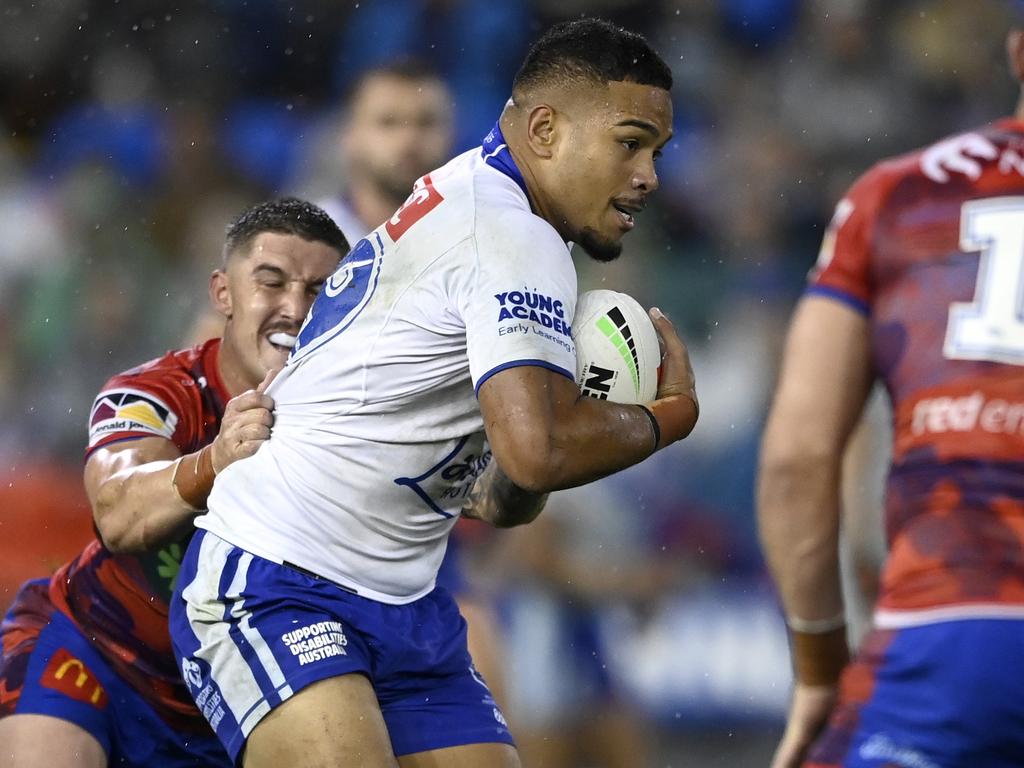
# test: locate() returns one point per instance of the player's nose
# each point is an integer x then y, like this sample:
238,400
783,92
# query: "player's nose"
295,302
645,177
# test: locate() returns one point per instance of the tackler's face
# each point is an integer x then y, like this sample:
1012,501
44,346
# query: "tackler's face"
607,169
267,292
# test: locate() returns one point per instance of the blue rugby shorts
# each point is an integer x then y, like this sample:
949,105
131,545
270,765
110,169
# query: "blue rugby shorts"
250,633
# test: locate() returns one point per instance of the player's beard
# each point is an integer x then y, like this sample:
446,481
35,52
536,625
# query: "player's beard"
395,183
394,188
596,247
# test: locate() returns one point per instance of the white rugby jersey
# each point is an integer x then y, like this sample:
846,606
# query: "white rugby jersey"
378,436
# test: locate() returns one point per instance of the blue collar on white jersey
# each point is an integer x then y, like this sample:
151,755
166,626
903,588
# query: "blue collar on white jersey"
495,153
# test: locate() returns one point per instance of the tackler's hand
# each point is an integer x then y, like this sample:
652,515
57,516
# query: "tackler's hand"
245,425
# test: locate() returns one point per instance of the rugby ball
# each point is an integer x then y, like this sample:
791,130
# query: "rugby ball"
617,350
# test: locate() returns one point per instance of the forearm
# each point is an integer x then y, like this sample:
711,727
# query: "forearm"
592,439
826,374
143,507
798,516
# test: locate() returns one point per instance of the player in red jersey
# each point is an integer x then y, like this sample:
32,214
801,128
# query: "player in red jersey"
87,676
920,283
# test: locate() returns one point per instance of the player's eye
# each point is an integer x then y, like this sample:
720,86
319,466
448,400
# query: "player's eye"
657,154
631,144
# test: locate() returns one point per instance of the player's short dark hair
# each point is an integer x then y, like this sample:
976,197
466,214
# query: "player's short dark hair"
286,216
409,68
591,49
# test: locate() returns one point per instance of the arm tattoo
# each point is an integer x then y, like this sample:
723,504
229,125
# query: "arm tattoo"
497,500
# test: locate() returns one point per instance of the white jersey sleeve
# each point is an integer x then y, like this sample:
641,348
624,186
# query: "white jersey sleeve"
518,301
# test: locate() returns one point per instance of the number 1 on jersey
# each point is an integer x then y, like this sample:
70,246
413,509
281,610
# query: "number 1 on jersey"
992,326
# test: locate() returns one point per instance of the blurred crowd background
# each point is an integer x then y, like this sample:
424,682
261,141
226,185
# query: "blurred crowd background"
131,132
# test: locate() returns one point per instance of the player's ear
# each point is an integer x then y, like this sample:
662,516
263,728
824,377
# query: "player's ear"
220,296
540,130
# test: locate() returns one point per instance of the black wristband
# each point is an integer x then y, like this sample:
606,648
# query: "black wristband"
654,424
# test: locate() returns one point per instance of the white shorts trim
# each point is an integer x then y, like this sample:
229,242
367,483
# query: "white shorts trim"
902,619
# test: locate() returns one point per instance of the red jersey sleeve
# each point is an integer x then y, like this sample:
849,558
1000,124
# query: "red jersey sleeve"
154,400
843,269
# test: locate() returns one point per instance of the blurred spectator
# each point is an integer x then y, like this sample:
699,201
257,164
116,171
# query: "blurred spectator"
476,45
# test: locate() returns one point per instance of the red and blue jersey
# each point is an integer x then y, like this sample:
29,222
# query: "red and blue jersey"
930,247
120,601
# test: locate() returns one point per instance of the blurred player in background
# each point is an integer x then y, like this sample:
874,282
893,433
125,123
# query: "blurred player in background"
445,335
920,283
87,676
398,127
571,573
862,501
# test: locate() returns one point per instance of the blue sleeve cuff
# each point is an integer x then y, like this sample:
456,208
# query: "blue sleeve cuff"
841,296
516,364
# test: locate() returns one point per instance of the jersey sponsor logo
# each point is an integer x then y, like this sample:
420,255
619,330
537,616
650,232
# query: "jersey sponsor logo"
192,673
936,415
70,676
451,480
130,410
344,296
882,747
536,308
423,200
209,702
209,699
317,641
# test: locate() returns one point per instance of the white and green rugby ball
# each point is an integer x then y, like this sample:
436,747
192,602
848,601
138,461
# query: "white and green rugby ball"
617,350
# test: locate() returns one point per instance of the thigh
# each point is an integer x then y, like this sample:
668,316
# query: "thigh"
467,756
42,741
321,724
50,679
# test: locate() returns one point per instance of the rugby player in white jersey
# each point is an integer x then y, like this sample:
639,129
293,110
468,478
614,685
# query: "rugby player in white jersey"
397,126
434,376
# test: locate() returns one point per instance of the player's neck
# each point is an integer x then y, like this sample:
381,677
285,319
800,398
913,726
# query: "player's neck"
534,189
372,206
229,366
